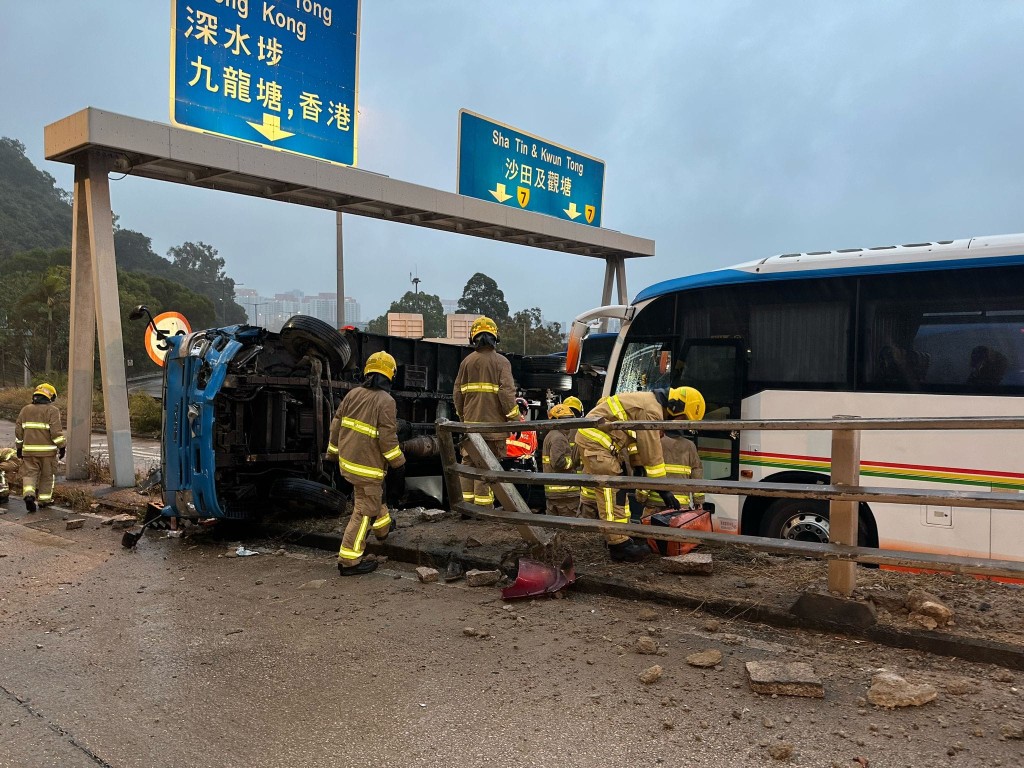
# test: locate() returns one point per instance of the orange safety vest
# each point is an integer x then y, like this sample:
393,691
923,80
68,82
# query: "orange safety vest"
521,445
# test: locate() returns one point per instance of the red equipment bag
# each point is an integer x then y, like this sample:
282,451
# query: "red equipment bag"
693,519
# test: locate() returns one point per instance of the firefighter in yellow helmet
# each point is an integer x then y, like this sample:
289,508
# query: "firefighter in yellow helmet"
588,496
562,497
364,439
39,443
604,450
484,392
9,465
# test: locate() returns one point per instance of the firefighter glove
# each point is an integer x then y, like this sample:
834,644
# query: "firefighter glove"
18,450
670,500
60,452
396,484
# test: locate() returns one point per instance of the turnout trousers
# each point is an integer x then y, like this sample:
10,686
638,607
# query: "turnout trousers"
38,474
564,506
368,513
477,491
597,460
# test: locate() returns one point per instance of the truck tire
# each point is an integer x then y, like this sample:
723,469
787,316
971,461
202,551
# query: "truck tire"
543,364
804,520
303,334
556,382
310,495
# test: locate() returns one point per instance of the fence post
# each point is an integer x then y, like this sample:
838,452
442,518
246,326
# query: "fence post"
842,574
446,439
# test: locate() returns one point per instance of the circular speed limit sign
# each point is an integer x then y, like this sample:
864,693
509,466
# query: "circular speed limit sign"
173,324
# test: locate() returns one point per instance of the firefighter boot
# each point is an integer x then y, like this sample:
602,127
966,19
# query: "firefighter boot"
628,552
366,566
30,503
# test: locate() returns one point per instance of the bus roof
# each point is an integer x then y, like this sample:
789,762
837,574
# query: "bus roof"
992,251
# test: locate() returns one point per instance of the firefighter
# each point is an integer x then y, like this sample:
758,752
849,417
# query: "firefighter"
681,460
9,464
558,456
39,443
484,392
365,441
603,452
521,447
588,496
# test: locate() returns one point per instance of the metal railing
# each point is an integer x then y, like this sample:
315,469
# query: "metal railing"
844,493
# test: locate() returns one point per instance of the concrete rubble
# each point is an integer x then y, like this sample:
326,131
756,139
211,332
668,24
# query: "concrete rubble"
784,679
889,690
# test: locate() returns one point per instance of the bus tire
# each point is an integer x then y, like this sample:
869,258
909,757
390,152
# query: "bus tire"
303,334
804,520
296,492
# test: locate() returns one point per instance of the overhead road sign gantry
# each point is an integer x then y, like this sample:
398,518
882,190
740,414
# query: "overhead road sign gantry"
502,164
158,151
283,74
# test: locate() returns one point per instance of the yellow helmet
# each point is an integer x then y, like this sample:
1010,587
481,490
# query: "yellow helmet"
575,404
483,324
560,411
382,363
46,390
685,403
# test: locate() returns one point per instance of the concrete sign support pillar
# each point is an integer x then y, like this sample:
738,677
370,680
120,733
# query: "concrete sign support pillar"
614,271
341,273
95,306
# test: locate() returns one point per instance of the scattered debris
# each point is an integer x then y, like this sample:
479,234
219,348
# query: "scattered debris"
781,751
472,542
645,645
314,584
76,523
889,690
651,675
699,563
243,552
534,579
703,659
1013,731
712,625
478,578
469,632
795,678
433,515
1002,675
119,522
647,614
454,570
960,686
427,575
924,603
923,620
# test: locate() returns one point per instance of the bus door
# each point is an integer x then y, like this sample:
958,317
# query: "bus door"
716,367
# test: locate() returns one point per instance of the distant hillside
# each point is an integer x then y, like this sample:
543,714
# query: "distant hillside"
34,211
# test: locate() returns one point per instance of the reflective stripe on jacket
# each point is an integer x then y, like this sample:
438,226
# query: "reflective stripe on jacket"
629,406
364,435
38,430
521,445
485,391
681,460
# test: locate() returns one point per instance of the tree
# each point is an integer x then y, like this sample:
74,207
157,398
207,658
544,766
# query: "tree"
49,295
526,333
205,274
34,211
426,304
482,296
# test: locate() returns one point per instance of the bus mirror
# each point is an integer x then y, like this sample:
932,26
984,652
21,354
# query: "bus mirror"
574,349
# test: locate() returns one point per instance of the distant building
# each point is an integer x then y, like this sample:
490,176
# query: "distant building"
450,306
272,312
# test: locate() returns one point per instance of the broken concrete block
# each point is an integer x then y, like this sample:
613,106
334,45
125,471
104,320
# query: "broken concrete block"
76,523
645,645
433,515
122,522
927,604
785,679
690,563
477,578
889,690
651,674
705,659
427,575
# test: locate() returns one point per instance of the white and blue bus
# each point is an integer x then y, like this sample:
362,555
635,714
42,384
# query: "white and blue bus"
920,330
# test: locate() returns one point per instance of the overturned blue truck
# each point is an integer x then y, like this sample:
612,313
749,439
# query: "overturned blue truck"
247,412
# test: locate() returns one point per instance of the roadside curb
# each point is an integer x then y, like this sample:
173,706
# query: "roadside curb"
969,649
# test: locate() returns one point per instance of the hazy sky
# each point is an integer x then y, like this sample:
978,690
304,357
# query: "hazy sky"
730,130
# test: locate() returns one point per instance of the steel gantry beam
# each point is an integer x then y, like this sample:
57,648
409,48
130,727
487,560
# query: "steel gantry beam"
98,142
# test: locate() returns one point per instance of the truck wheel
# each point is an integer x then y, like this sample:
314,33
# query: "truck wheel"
310,495
803,520
543,364
556,382
303,334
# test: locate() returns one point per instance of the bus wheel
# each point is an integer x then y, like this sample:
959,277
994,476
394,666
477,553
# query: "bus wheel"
804,520
796,519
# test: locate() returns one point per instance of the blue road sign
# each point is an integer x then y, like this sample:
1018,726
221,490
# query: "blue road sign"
277,72
505,165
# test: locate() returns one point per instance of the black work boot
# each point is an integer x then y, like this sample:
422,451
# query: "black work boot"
628,552
366,566
30,503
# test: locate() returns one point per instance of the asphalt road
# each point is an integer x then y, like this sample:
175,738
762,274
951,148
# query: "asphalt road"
178,655
145,451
